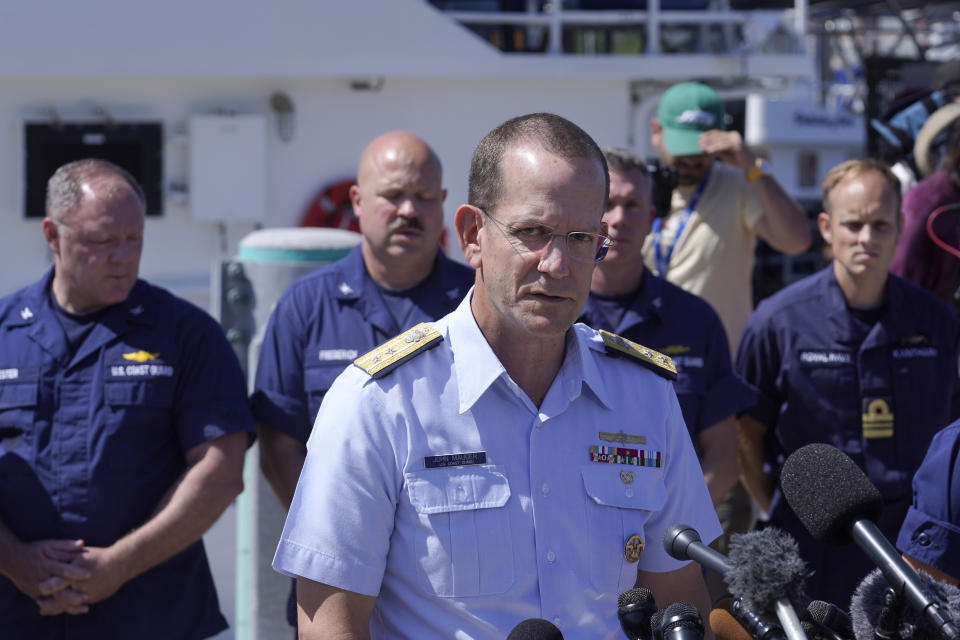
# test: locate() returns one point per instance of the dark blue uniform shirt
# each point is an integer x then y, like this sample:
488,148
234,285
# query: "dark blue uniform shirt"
324,321
877,393
931,530
92,440
664,317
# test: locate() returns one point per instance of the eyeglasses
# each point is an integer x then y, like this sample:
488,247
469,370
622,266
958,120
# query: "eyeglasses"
580,246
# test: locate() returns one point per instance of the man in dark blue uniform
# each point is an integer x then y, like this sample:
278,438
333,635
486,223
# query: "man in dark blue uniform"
930,535
124,423
851,356
395,279
632,302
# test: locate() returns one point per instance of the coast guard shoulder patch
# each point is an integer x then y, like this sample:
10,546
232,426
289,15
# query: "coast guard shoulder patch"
653,360
383,359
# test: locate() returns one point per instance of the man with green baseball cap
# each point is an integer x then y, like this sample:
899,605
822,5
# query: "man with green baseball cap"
706,242
687,110
723,199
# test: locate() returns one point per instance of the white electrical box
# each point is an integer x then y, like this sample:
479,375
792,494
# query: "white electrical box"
228,168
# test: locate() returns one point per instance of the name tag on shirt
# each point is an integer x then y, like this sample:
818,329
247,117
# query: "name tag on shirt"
826,358
908,353
455,460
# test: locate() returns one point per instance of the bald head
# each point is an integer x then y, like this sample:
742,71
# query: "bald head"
398,200
398,147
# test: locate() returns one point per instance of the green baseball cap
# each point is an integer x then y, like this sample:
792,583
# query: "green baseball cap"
686,110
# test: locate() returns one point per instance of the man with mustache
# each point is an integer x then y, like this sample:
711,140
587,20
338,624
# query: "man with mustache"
852,356
502,463
397,277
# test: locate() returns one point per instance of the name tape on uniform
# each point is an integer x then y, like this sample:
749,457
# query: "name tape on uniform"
455,460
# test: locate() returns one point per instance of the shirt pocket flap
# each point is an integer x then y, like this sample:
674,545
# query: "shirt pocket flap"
320,378
140,393
13,396
457,489
638,488
691,382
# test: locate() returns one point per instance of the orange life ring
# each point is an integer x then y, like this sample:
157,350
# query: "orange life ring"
332,208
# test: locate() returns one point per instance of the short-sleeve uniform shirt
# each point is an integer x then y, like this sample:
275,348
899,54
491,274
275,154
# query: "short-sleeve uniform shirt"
92,440
664,317
714,257
931,530
327,319
442,490
878,393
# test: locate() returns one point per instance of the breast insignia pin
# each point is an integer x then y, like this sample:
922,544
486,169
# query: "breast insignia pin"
632,548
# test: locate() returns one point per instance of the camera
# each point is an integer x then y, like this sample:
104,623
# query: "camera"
663,180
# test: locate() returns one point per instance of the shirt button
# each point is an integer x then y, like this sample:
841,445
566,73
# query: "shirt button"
545,489
551,556
461,494
923,540
628,492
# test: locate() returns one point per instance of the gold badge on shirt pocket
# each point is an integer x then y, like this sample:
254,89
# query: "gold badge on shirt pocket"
877,417
633,548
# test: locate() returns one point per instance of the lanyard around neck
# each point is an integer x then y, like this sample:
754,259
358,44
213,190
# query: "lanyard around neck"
663,260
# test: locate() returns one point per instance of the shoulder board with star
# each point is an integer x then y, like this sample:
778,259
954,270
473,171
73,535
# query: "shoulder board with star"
654,360
391,354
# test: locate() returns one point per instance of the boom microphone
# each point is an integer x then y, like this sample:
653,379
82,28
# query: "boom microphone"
868,604
767,574
535,629
809,481
634,608
766,567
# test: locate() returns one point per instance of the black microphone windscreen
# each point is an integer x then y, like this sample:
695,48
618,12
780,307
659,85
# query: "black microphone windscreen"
681,609
641,597
766,566
831,616
535,629
867,601
828,492
655,620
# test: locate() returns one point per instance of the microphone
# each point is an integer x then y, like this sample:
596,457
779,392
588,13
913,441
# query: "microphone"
764,571
683,543
875,613
826,621
535,629
730,620
634,608
809,481
679,621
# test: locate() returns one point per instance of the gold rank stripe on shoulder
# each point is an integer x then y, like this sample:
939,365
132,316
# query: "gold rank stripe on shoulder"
651,359
390,354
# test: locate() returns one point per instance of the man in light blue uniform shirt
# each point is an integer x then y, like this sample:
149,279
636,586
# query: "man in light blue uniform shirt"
397,277
501,463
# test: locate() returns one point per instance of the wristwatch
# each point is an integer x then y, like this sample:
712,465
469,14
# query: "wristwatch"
759,170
